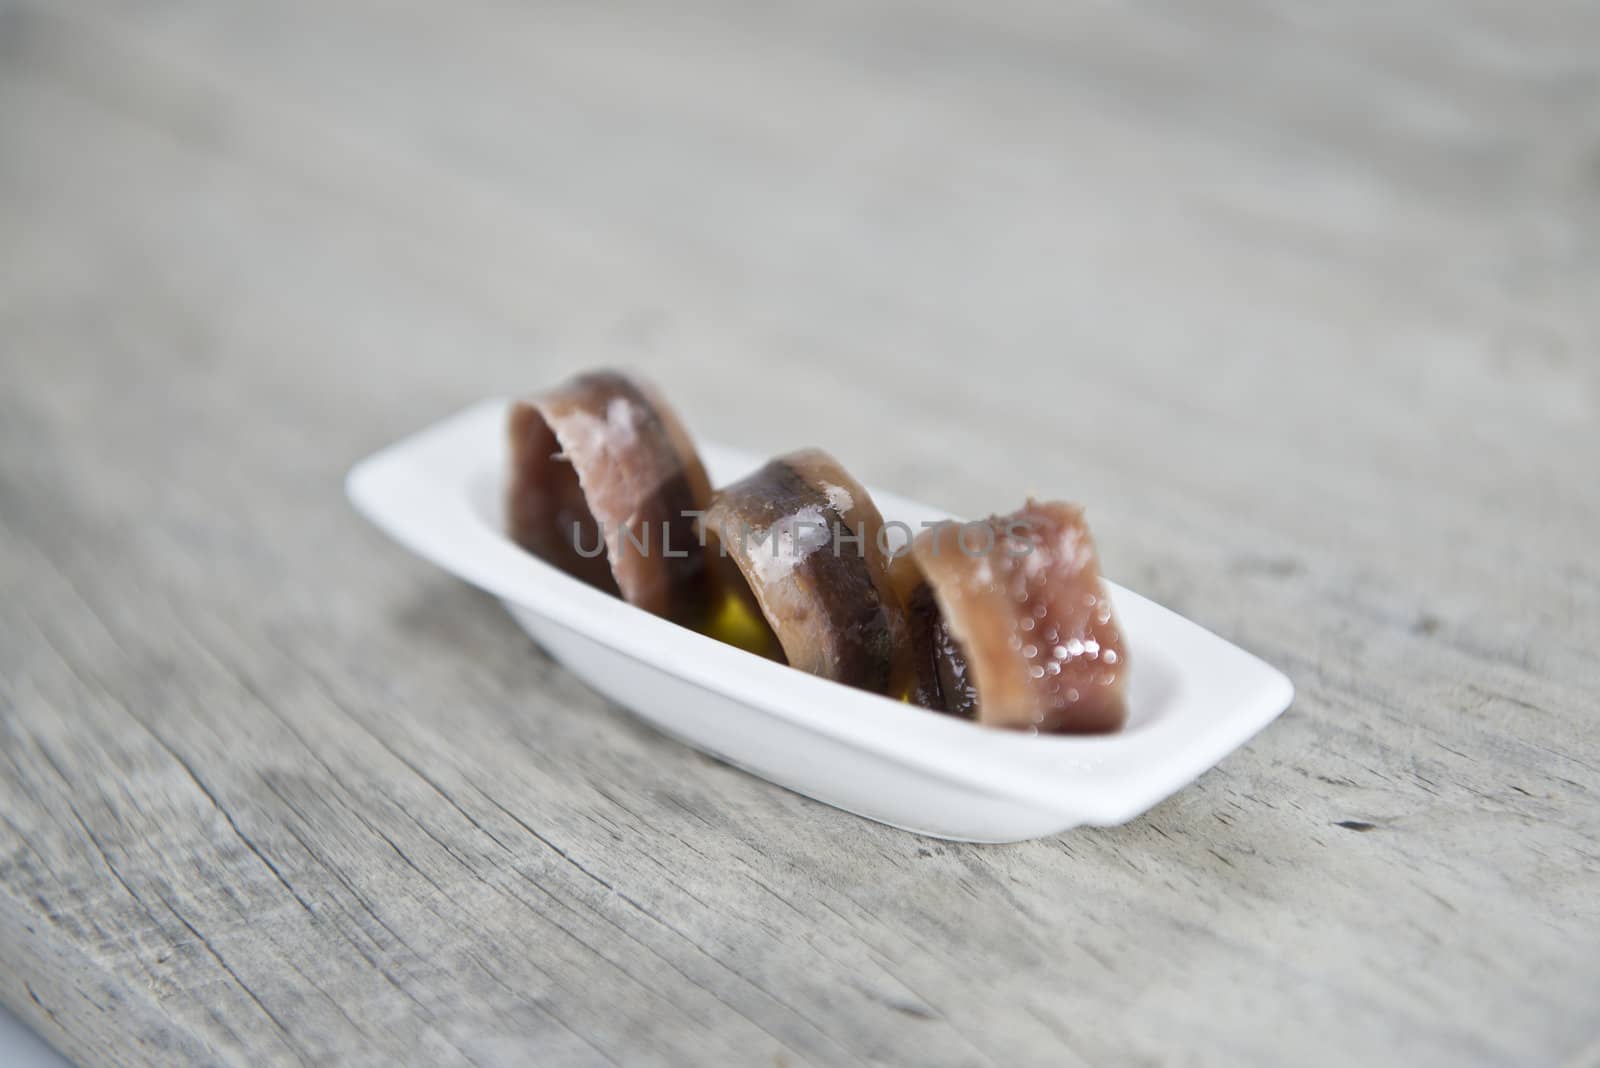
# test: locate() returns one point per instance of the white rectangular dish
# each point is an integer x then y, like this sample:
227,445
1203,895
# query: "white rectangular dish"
1193,697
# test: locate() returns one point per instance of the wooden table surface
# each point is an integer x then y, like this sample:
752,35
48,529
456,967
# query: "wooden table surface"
1303,302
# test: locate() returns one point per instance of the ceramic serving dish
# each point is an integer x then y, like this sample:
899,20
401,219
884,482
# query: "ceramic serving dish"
1193,697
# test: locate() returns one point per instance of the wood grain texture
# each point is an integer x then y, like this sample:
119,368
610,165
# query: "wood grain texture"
1301,300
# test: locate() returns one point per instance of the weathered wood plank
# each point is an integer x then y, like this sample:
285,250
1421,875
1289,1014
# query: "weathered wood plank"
275,793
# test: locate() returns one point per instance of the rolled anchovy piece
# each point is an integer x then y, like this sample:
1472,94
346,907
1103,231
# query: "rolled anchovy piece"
1011,624
806,537
606,485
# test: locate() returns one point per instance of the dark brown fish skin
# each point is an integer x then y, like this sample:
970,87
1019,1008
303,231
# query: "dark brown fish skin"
546,513
923,620
939,677
1030,619
604,452
834,613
